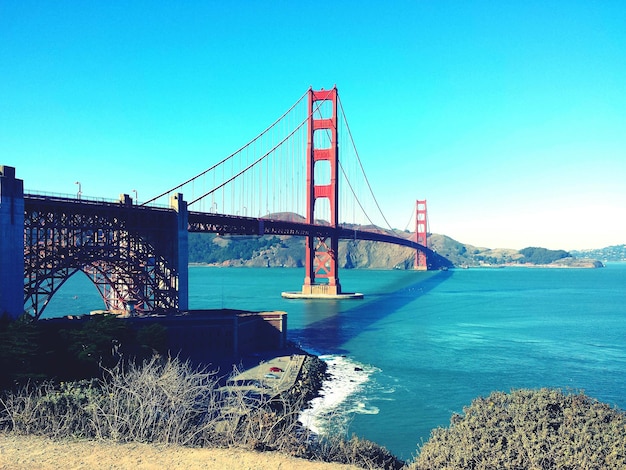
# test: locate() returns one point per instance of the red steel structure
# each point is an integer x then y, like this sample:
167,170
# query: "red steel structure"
135,256
421,233
321,251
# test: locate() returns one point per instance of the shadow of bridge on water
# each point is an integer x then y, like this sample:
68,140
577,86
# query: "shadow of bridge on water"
341,324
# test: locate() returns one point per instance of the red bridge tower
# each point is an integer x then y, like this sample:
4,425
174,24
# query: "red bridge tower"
321,252
421,233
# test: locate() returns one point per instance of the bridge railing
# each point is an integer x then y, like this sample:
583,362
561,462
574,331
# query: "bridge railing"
68,197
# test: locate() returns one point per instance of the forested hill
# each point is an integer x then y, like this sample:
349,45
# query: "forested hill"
287,251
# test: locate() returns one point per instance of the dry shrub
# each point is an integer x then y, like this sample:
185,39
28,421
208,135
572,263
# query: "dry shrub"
529,429
356,451
160,401
164,400
51,410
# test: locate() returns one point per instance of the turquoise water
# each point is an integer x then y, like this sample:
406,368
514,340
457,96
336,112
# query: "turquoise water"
425,344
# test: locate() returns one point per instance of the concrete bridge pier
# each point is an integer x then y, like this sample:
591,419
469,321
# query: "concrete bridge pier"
11,243
182,250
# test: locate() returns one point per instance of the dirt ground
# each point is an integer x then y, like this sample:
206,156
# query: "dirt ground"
40,453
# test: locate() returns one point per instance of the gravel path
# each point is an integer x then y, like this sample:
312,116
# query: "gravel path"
40,453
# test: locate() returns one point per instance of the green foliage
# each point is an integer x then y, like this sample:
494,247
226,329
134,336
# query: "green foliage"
536,255
529,429
19,350
72,349
204,249
98,340
153,338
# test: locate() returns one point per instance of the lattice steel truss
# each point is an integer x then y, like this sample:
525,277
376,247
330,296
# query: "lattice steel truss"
129,252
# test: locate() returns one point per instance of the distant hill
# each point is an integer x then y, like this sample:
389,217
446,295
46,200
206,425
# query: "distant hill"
609,253
288,251
464,255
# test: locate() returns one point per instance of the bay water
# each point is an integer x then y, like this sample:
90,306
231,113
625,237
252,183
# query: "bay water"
421,345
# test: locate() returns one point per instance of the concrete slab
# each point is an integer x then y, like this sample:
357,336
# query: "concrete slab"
271,377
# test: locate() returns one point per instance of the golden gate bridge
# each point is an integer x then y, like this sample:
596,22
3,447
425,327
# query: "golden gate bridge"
285,181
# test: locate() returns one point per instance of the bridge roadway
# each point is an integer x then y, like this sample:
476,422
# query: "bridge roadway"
225,224
132,252
237,225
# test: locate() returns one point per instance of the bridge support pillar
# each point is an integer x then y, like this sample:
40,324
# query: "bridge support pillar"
421,234
322,147
182,250
11,243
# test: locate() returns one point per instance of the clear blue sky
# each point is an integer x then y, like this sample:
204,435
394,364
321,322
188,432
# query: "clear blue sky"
509,117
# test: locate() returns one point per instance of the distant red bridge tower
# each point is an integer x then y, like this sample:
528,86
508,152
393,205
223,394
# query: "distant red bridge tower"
421,233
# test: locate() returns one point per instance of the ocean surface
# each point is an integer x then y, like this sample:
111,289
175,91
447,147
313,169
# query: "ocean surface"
421,345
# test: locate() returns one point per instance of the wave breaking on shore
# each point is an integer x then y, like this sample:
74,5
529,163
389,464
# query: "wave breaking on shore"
340,397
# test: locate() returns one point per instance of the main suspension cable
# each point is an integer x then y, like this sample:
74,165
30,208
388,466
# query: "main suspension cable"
258,160
230,156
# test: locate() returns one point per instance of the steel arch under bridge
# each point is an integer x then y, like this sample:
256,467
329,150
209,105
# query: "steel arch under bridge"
130,252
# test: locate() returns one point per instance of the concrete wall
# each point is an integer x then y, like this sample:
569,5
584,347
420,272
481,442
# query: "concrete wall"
207,335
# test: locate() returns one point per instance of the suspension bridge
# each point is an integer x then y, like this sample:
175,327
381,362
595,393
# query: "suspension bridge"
286,181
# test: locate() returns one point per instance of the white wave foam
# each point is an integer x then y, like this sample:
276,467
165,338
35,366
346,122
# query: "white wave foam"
362,408
337,396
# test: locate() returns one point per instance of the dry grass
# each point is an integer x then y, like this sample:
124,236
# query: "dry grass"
168,403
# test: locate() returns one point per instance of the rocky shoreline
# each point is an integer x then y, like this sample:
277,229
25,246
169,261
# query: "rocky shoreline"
311,378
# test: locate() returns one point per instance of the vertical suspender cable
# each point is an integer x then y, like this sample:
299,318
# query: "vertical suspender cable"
362,170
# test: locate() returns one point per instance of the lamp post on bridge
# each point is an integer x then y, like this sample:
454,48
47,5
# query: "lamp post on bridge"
136,197
80,190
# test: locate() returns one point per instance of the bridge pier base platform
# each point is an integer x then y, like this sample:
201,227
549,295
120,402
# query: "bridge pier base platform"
321,291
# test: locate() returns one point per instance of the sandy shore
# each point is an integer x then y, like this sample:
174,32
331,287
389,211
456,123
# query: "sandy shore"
40,453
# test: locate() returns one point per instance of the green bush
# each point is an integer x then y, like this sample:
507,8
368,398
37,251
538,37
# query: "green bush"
66,350
19,351
95,341
529,429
